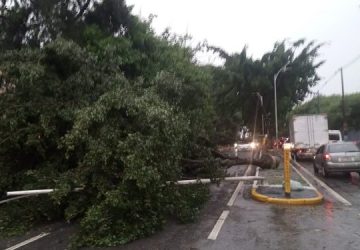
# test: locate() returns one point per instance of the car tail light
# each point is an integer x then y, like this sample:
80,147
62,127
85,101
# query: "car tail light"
326,157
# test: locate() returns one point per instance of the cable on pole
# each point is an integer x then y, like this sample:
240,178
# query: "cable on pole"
351,62
329,79
338,70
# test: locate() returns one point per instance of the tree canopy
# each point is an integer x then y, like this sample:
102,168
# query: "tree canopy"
236,84
332,106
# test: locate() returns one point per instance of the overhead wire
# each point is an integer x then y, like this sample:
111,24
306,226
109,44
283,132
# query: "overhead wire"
351,62
337,71
329,79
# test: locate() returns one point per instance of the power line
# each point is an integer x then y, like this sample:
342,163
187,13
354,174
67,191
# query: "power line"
351,62
329,79
338,70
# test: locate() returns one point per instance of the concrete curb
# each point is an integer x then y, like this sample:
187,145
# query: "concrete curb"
285,201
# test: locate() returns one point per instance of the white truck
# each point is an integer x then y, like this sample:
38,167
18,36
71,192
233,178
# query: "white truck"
307,133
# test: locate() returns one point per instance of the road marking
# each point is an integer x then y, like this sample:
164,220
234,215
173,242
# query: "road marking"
214,233
235,194
329,189
21,244
302,176
238,188
248,170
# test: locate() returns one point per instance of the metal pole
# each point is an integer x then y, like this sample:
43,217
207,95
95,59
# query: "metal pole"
344,129
34,192
282,69
318,102
287,170
256,113
342,89
235,178
276,122
262,111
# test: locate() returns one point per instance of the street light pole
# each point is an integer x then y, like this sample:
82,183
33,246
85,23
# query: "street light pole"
262,111
282,69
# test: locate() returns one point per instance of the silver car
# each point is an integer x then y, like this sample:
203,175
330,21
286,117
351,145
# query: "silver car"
337,157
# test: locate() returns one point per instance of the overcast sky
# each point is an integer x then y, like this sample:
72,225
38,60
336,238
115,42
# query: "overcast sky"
232,24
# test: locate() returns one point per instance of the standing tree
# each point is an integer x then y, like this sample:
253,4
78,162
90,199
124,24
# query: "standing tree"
35,23
241,77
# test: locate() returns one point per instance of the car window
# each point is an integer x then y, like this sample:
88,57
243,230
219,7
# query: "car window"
320,150
337,148
334,137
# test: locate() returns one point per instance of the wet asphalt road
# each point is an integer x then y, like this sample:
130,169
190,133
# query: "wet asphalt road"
250,224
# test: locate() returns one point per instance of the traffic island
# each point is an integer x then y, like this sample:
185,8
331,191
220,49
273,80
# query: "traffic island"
284,187
276,195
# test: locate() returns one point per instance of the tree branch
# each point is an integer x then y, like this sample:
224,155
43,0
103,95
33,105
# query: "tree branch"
82,9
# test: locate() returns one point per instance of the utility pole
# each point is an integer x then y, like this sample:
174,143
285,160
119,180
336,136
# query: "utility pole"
318,102
344,125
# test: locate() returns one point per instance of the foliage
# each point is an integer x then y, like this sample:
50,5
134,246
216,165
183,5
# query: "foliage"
42,91
113,113
185,202
332,106
35,23
119,138
236,85
18,216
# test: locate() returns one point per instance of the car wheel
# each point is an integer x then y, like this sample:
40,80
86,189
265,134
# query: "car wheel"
325,173
316,170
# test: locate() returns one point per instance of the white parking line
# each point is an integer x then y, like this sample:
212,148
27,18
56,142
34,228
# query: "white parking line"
21,244
219,223
214,233
235,194
238,188
329,189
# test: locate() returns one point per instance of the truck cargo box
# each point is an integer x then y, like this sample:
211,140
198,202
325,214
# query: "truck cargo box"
307,133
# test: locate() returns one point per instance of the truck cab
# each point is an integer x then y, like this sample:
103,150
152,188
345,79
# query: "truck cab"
334,135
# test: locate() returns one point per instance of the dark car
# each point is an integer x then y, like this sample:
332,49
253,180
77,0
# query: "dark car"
337,157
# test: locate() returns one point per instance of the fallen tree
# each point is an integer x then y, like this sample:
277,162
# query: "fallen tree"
265,161
70,118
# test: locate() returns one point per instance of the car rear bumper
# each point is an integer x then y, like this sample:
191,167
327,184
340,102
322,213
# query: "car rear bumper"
343,167
305,156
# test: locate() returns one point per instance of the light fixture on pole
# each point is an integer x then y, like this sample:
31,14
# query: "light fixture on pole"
282,69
